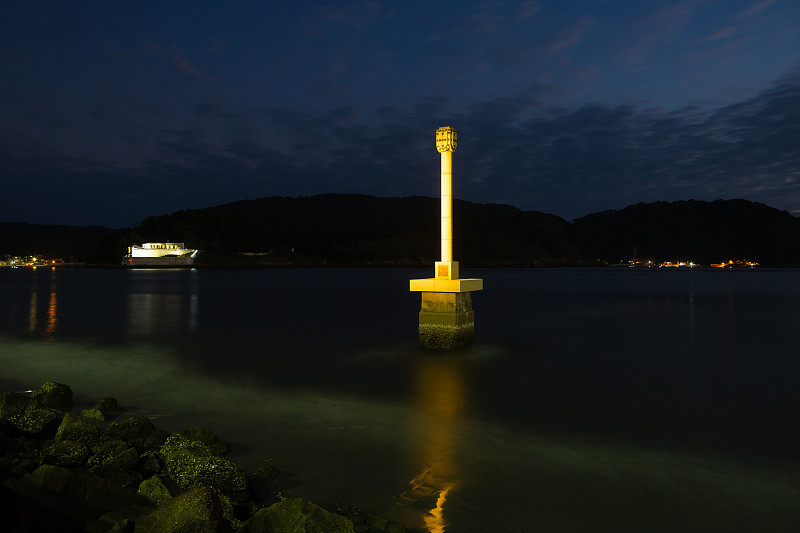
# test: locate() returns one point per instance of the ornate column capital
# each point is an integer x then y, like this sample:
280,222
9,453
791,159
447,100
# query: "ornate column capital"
446,139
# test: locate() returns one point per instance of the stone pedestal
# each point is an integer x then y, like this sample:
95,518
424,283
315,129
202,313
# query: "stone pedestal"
446,320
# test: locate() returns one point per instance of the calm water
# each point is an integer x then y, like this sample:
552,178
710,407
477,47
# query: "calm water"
593,400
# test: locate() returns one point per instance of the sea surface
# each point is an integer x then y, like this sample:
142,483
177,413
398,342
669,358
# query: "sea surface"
593,400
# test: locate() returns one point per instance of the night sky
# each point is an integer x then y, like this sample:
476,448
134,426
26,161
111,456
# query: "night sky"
114,111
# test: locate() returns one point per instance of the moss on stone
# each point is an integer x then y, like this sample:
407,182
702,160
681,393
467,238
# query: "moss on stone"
75,428
66,453
154,490
198,511
39,421
12,405
296,515
267,471
133,427
191,463
93,414
216,445
53,395
155,440
150,463
445,337
114,452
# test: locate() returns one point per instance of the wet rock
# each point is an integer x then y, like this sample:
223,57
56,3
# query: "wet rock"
93,414
106,452
296,515
66,453
75,428
149,464
74,494
53,395
133,430
122,521
12,405
103,411
115,460
267,471
198,510
375,523
216,445
155,440
155,490
39,421
191,463
365,522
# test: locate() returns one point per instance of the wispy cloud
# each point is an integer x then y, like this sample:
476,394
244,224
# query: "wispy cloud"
356,15
571,36
662,25
757,8
722,33
528,9
185,66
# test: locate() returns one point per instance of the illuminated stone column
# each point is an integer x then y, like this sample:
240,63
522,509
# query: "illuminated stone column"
446,318
446,142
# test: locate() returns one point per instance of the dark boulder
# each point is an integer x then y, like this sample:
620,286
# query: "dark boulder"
134,430
198,511
191,463
66,453
74,428
216,445
39,421
116,460
54,395
103,411
76,495
297,516
12,405
157,489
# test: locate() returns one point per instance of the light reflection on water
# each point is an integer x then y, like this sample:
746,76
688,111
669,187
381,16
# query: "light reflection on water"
439,394
529,430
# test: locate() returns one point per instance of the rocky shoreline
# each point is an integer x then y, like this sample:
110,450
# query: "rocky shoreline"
96,471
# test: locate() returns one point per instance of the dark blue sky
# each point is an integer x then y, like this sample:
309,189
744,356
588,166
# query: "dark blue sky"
114,111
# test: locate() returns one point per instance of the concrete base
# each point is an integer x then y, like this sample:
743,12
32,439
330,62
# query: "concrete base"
446,320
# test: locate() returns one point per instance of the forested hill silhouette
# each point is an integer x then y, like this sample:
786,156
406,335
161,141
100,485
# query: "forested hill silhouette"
359,230
703,232
345,229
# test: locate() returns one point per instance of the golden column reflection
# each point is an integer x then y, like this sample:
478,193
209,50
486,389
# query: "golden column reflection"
32,314
440,395
52,317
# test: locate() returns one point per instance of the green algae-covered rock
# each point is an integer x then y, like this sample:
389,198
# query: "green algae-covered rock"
296,515
267,471
73,493
150,464
216,445
12,405
155,440
53,395
39,421
75,428
116,460
105,452
103,411
66,453
133,430
93,414
154,490
191,463
197,511
369,522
